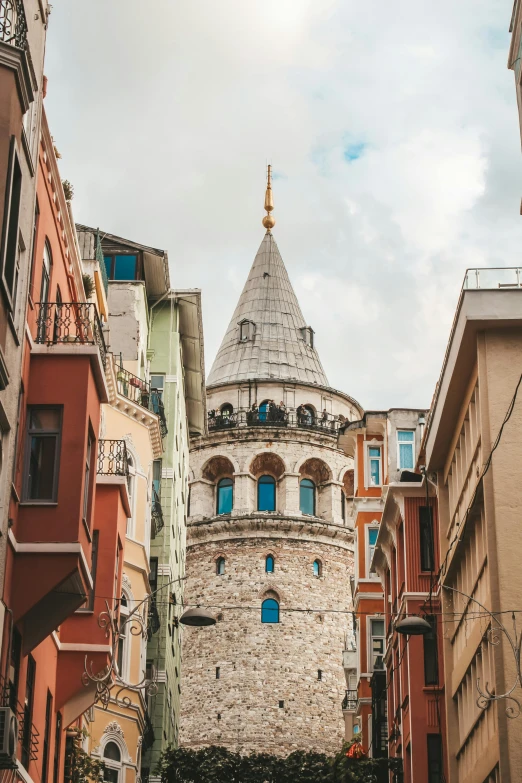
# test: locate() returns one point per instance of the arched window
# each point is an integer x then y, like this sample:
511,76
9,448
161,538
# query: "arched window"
263,411
266,493
318,568
220,566
123,638
112,759
307,497
227,410
270,611
225,496
269,564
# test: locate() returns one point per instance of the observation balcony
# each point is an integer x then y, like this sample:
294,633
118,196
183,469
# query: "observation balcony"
13,24
112,458
69,323
324,423
492,278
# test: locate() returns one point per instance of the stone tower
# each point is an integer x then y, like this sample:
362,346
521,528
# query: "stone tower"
269,544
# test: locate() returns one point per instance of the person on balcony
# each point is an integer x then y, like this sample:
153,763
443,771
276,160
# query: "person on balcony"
253,414
324,418
272,411
282,411
301,415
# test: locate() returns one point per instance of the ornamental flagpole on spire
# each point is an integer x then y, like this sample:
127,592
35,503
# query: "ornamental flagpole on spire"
269,220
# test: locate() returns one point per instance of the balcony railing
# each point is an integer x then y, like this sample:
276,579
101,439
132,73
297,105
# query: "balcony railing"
153,622
493,278
156,405
69,323
13,24
324,423
157,515
28,734
350,700
133,388
148,734
112,458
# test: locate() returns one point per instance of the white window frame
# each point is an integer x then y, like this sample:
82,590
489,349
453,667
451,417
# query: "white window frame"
370,637
374,525
128,636
131,489
403,443
373,444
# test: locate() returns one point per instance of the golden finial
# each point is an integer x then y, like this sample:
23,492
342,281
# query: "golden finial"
268,220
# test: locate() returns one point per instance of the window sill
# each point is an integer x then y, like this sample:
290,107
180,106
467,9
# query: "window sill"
86,526
51,503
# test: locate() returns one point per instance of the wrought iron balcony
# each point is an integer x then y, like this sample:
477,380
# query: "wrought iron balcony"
69,323
325,423
112,458
153,621
350,700
28,734
156,405
158,522
132,387
148,734
13,24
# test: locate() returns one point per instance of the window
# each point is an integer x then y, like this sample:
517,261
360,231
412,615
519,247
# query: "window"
343,506
319,674
263,411
434,758
373,532
281,704
431,667
122,653
225,496
220,566
33,248
307,334
157,387
227,410
318,568
426,538
112,759
9,248
309,415
247,330
374,465
307,497
57,748
28,711
89,606
270,611
266,493
87,477
47,737
42,458
218,673
156,477
14,669
269,564
376,644
153,574
122,266
405,449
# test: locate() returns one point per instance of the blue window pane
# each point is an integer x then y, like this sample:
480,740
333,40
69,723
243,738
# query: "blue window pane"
270,611
108,265
406,455
220,566
405,436
317,568
269,564
263,410
225,496
266,494
375,472
307,497
125,268
375,451
373,532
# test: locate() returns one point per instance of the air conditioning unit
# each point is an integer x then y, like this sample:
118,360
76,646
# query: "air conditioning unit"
8,738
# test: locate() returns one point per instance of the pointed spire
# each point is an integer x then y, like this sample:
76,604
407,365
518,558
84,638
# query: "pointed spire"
268,336
269,220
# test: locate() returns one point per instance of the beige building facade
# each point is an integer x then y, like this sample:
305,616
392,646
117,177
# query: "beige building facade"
479,511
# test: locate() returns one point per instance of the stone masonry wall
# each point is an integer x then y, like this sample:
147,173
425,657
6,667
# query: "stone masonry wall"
262,664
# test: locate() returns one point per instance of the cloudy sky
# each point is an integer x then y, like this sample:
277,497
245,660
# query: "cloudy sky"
392,129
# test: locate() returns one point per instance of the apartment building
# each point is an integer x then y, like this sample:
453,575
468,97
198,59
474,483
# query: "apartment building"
473,445
382,445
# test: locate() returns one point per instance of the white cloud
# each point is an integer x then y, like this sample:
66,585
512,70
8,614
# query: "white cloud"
166,117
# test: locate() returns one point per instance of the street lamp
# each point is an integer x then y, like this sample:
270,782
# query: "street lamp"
413,626
197,618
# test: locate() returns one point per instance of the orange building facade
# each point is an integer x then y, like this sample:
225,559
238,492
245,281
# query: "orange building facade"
69,506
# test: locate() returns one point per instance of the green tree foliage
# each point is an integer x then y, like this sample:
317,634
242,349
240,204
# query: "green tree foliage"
220,765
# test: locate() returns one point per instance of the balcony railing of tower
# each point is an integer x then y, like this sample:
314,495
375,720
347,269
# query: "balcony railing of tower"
502,277
153,620
133,387
156,514
59,323
325,423
112,458
350,700
28,734
13,24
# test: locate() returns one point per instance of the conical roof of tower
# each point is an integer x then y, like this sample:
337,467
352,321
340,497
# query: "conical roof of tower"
278,343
